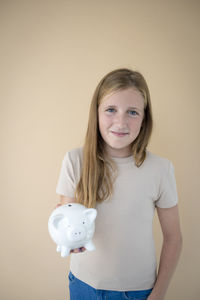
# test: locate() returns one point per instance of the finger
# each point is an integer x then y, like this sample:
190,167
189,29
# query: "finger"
78,250
75,250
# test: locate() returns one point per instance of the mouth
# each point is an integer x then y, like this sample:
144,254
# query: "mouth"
120,134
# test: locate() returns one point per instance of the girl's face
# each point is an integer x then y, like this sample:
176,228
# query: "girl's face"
120,119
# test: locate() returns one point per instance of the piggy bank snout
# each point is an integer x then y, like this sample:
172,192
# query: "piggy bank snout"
77,233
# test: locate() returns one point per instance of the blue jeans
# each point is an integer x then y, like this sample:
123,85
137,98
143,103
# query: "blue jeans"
80,290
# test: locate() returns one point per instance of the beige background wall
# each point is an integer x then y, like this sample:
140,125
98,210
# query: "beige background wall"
53,54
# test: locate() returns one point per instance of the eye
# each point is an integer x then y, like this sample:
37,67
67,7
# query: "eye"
133,112
83,222
110,110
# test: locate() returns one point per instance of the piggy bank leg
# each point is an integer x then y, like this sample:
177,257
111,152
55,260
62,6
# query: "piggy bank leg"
90,246
58,249
65,251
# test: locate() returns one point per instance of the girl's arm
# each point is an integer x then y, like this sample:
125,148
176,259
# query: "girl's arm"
171,249
65,200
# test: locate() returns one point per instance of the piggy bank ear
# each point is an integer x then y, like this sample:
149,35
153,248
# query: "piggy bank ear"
90,213
55,220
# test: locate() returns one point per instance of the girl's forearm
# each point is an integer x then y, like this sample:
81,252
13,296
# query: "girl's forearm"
168,260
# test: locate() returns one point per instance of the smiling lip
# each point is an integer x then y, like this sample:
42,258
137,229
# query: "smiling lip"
119,133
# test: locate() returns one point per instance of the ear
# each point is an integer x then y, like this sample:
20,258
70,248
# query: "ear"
90,213
55,220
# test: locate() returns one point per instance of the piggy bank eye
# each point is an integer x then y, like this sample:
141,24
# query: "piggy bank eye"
83,222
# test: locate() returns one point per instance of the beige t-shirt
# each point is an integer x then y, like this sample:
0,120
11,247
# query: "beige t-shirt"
124,258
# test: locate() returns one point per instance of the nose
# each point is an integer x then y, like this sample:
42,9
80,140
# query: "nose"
121,120
76,234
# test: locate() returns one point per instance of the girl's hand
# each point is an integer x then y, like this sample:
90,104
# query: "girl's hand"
59,204
78,250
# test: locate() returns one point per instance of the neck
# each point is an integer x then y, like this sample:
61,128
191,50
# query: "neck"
125,152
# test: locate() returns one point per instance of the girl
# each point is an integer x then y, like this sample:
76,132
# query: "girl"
115,173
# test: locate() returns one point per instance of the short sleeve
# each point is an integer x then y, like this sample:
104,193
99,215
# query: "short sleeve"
168,192
66,182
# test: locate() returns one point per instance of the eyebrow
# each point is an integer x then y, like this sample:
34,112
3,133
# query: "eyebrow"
130,107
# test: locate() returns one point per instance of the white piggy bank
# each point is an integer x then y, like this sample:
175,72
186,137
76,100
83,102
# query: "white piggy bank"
72,226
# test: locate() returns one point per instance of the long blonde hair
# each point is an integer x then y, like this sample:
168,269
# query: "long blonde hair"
98,170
